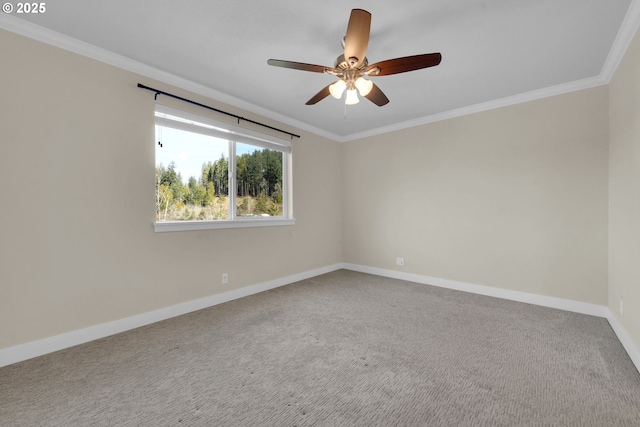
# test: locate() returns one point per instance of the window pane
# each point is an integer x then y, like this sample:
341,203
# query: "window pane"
192,176
259,181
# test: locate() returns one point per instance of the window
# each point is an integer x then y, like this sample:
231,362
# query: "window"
216,175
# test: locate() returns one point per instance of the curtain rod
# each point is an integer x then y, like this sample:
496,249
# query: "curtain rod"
160,92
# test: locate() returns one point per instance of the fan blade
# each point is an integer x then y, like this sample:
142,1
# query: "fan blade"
377,96
357,38
319,96
407,63
297,65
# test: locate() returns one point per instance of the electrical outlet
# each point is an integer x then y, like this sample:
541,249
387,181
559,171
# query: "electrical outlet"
400,261
225,278
621,308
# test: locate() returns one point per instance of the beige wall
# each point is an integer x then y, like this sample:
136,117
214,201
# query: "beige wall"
77,247
527,198
514,198
624,191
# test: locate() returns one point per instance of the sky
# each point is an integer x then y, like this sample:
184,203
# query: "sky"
190,150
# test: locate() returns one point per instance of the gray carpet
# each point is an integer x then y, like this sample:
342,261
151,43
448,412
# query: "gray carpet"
342,349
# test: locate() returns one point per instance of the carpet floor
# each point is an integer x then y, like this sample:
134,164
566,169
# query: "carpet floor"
341,349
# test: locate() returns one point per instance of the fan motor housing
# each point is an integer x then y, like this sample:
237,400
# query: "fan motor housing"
342,63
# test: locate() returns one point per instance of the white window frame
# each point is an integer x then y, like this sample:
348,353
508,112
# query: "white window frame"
170,117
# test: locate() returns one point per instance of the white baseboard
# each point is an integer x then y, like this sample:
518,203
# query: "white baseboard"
625,339
37,348
545,301
43,346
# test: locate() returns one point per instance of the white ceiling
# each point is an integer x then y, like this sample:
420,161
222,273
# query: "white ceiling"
492,51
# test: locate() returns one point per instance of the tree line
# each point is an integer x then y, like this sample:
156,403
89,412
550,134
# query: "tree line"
259,188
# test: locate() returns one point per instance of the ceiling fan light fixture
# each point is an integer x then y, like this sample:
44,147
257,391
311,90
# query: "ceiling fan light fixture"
364,86
352,97
337,89
352,65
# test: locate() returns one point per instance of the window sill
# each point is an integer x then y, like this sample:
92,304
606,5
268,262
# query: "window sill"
161,227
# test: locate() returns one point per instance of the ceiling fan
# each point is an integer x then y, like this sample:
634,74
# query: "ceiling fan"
352,66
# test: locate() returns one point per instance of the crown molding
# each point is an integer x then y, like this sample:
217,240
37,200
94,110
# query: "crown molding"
485,106
624,37
622,41
53,38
